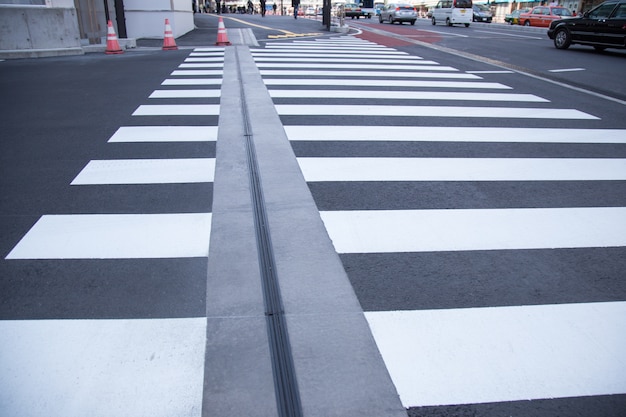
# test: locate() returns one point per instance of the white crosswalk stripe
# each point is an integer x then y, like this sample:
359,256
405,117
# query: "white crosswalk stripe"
146,171
379,231
462,169
165,134
102,368
456,134
406,95
498,354
428,111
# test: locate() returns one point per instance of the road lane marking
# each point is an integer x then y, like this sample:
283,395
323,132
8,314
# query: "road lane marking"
116,236
207,54
342,48
204,93
102,368
213,49
462,169
382,231
330,55
329,66
202,65
385,83
165,134
177,110
197,72
490,72
395,60
405,95
454,134
192,81
433,111
495,354
146,171
368,74
325,51
205,59
567,70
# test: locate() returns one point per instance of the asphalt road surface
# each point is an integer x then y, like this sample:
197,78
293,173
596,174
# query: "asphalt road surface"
478,212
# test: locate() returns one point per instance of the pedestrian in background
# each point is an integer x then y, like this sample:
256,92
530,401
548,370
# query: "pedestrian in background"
295,4
262,8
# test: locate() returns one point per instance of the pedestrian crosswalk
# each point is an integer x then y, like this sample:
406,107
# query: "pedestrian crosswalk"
535,347
127,361
472,272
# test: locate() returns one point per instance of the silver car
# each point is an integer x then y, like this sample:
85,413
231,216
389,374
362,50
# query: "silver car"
398,12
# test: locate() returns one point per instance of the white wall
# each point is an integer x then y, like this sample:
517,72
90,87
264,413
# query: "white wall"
146,18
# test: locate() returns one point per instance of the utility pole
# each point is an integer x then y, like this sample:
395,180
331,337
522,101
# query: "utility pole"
326,14
120,18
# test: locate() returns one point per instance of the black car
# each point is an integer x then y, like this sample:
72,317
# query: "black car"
481,13
602,27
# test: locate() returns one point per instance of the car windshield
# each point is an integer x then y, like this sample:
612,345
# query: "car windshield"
463,4
481,7
561,12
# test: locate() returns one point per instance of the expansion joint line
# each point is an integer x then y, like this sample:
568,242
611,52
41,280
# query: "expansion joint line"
285,384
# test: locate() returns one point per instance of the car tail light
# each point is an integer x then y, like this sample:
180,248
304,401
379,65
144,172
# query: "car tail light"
397,9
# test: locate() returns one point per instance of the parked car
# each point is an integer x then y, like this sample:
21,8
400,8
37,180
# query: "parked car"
481,13
398,12
513,17
310,11
352,10
602,27
542,16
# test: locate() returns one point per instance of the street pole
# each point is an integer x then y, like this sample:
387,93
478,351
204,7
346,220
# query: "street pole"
326,14
120,18
107,17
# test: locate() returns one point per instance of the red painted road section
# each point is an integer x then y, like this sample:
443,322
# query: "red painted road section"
405,30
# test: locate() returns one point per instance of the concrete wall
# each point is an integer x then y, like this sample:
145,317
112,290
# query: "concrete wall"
37,27
146,18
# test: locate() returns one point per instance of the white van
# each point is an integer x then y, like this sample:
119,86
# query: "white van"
453,12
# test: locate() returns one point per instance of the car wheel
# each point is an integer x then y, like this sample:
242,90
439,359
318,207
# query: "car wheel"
390,20
448,22
599,48
412,22
527,23
433,21
467,25
562,39
380,19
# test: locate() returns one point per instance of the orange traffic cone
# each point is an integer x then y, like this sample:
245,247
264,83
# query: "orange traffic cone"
113,46
222,38
168,40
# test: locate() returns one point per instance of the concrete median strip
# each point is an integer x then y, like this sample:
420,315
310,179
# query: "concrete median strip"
338,367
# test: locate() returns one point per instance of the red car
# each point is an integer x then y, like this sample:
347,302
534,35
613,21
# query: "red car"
542,16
